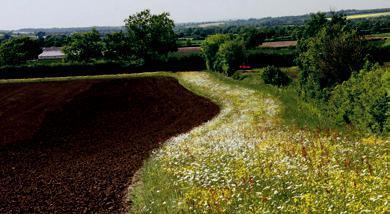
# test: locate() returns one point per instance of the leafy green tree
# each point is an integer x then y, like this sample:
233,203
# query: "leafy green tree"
330,57
210,47
84,47
314,25
151,35
253,38
230,56
18,50
117,47
56,41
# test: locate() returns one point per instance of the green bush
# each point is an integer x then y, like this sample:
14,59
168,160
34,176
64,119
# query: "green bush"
229,57
274,76
238,76
363,101
210,47
223,53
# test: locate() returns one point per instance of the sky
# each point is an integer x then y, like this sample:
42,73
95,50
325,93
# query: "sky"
16,14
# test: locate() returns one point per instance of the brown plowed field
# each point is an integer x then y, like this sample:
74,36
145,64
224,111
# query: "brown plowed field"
73,147
280,44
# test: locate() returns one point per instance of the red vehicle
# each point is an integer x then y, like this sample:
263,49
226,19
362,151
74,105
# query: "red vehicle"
245,67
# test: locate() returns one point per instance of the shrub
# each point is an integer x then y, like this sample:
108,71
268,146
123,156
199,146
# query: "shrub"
210,47
274,76
223,53
238,76
229,57
363,101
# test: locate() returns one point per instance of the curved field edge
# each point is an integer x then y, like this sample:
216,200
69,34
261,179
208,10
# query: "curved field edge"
246,161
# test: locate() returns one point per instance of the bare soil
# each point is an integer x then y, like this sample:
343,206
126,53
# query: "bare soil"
73,147
280,44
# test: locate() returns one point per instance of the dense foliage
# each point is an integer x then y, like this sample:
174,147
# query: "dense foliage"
210,47
229,57
274,76
363,101
18,50
55,41
330,54
84,47
261,57
117,47
151,35
223,53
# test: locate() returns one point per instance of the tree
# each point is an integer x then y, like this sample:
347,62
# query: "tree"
56,40
117,47
210,47
230,56
253,38
151,35
18,50
84,47
329,57
314,25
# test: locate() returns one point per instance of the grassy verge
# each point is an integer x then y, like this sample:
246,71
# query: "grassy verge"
293,110
247,160
89,77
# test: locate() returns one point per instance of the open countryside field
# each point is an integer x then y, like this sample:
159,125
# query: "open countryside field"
368,15
74,146
244,160
279,44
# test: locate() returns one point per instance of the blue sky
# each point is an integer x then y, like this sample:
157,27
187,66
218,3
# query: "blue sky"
15,14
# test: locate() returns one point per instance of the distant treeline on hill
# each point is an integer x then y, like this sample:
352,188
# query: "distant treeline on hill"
180,27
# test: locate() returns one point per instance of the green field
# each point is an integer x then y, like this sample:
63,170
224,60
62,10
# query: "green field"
368,15
194,42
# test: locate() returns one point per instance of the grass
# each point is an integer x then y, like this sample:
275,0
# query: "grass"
44,62
248,160
194,42
368,15
293,110
90,77
254,158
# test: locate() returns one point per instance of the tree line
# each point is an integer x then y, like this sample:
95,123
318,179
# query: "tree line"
146,37
337,71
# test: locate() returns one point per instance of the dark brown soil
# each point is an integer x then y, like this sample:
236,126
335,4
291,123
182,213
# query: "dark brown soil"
72,147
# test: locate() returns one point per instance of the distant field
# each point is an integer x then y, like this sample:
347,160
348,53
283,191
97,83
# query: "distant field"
214,24
280,44
189,50
194,42
369,15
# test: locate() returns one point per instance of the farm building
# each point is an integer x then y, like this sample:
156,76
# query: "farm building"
51,53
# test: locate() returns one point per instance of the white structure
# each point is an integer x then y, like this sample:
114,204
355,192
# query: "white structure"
51,53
